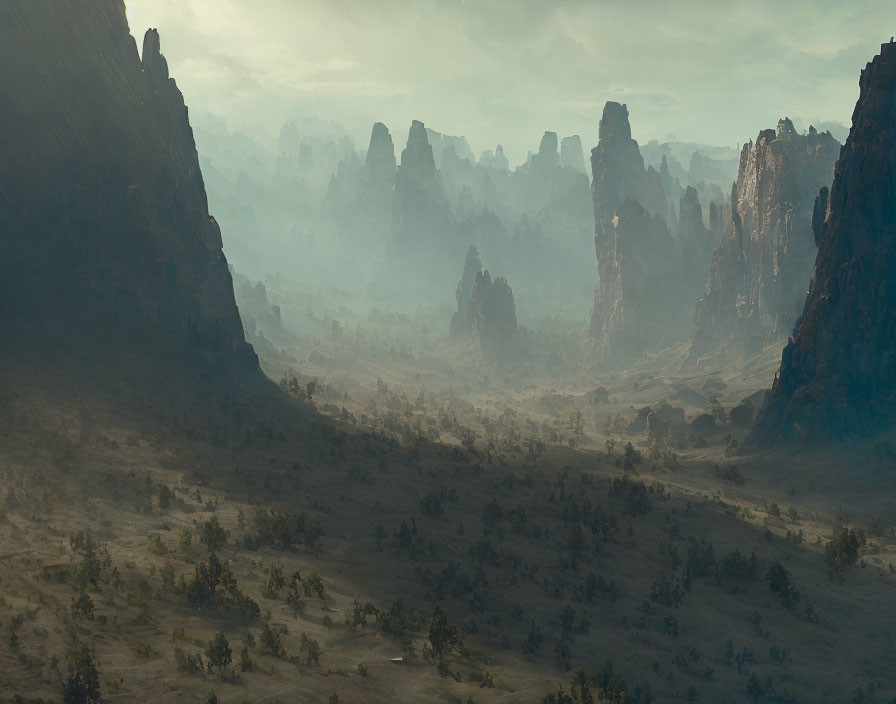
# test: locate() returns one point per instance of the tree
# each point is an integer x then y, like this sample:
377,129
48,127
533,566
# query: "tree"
212,534
443,635
83,683
754,688
219,654
843,549
779,582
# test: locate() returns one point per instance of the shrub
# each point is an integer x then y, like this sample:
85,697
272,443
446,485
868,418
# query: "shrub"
218,654
82,686
284,530
212,534
271,641
843,549
779,582
635,496
214,586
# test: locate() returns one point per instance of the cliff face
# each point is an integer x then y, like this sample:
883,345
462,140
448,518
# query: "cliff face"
461,324
838,373
646,286
359,197
493,315
762,265
107,250
572,154
419,208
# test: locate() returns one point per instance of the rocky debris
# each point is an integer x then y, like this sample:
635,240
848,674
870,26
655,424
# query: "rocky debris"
107,243
572,154
762,264
838,372
461,322
598,396
685,394
742,414
659,419
648,277
703,425
664,419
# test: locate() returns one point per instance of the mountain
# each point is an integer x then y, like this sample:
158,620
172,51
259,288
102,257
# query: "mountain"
838,372
109,261
761,267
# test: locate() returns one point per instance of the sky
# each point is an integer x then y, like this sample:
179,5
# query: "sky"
504,71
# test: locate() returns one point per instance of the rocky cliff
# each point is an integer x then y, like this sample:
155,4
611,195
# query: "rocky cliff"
419,208
761,267
838,372
461,324
646,289
493,315
359,197
108,257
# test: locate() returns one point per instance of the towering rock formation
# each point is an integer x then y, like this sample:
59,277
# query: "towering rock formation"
461,324
419,213
442,143
694,239
761,268
838,372
109,261
493,315
572,154
495,160
644,297
486,312
359,198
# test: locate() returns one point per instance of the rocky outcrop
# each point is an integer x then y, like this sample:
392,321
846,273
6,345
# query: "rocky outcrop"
359,198
261,319
108,256
486,312
572,154
419,209
461,323
838,372
493,315
495,160
761,267
646,289
694,239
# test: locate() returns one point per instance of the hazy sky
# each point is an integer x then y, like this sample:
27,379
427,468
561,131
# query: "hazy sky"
507,70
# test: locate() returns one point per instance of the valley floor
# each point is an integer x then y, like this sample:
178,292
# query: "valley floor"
443,530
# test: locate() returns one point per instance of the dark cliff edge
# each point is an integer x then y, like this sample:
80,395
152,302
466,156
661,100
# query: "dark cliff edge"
112,274
838,372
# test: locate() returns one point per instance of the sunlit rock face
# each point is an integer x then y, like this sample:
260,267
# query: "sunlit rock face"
761,267
647,285
838,372
106,242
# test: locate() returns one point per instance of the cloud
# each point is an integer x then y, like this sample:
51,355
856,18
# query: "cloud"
507,70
